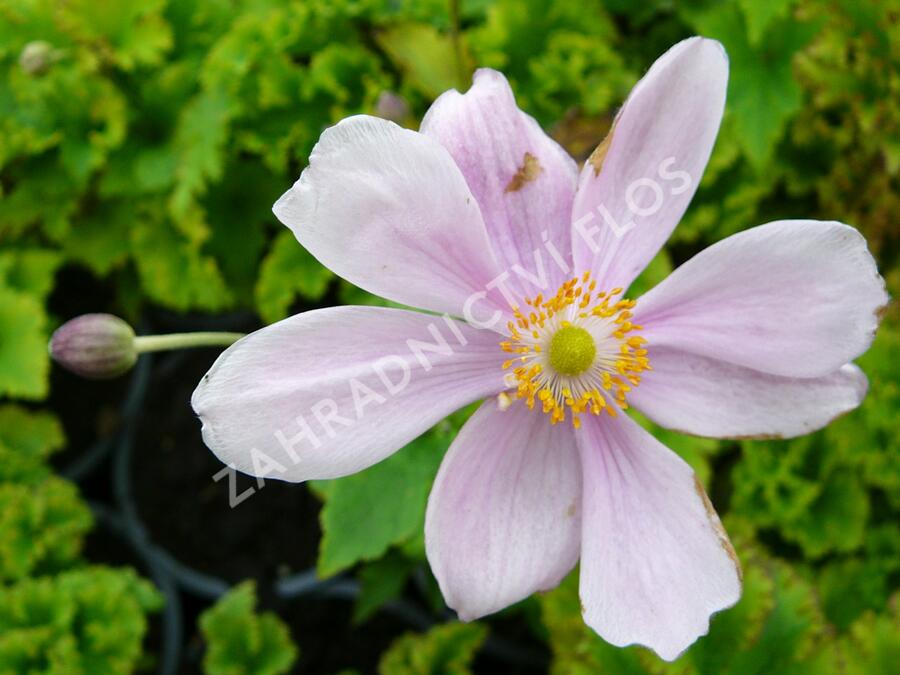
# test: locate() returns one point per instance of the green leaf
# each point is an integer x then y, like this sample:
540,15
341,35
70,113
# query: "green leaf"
131,33
27,439
773,489
560,58
24,361
836,520
240,641
428,58
39,182
873,646
792,633
101,241
817,490
762,92
43,527
760,13
29,270
239,209
384,505
72,108
872,434
448,649
174,272
287,271
851,586
26,278
89,621
42,517
381,581
200,145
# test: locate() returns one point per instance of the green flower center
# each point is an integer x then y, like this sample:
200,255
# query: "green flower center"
572,350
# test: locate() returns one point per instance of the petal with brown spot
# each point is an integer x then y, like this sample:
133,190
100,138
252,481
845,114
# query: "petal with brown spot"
529,171
599,153
716,522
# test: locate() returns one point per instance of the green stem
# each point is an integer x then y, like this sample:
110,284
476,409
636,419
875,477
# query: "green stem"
161,343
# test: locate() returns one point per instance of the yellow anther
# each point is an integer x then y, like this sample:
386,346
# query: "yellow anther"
577,349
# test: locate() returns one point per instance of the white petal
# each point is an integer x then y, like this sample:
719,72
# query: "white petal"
707,397
504,515
523,180
655,561
630,199
387,209
333,391
798,298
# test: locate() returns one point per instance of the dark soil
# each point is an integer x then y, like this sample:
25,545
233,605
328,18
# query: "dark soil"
274,532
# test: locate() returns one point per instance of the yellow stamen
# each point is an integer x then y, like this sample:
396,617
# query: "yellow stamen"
579,349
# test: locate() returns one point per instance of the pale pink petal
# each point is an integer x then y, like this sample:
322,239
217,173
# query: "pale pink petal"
333,391
630,199
707,397
655,561
504,516
523,180
798,298
387,209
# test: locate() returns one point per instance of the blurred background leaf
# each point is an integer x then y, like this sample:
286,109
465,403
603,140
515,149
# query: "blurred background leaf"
240,641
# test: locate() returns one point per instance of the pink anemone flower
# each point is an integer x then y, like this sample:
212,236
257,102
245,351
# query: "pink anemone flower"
481,216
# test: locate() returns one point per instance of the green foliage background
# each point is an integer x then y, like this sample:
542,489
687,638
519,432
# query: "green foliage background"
146,141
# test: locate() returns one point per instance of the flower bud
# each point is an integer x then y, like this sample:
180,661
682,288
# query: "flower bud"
95,346
37,57
391,106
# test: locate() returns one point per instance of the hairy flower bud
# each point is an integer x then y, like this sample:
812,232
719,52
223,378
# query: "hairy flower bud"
95,346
